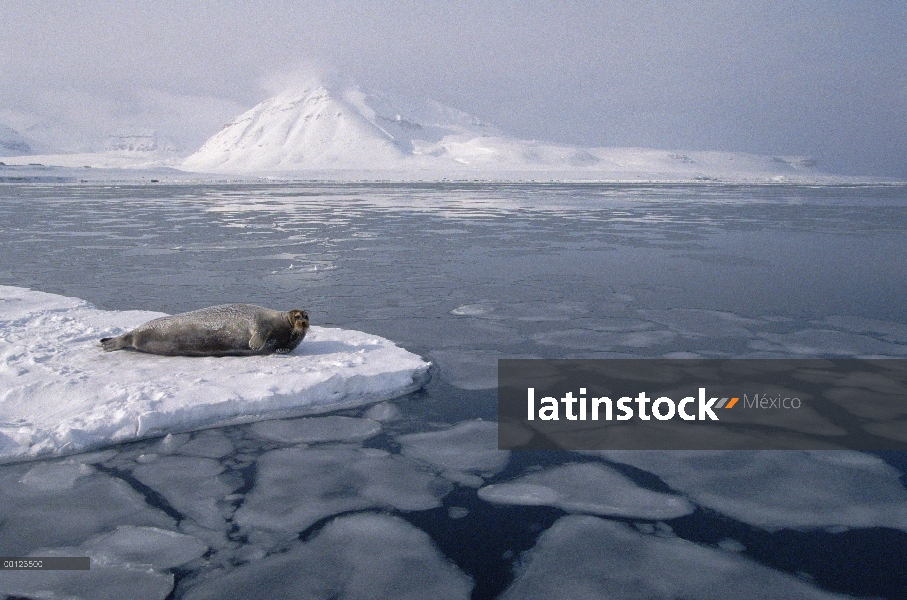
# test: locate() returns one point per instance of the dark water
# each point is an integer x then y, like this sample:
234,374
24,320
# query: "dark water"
464,274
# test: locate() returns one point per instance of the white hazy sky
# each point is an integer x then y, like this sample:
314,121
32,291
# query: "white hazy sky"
821,78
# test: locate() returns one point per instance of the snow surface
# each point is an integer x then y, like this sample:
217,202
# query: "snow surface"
60,393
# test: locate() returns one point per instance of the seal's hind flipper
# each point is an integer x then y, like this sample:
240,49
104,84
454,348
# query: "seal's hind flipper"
114,343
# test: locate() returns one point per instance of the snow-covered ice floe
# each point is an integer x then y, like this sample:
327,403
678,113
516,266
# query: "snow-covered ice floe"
61,394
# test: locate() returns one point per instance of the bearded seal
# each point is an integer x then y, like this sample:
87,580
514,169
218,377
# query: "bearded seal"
225,330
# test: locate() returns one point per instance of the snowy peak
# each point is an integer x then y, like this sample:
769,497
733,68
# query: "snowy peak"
330,127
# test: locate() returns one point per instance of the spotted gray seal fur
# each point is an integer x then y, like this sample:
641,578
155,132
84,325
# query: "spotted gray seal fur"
225,330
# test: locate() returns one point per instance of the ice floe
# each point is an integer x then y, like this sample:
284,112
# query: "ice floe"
296,487
59,393
783,489
353,557
582,557
587,488
468,448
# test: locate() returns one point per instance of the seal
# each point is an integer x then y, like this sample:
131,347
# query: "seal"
225,330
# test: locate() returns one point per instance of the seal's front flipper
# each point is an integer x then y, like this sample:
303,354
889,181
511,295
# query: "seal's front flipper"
258,341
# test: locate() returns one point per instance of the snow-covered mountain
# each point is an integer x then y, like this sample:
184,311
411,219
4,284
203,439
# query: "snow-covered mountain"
334,127
323,128
12,143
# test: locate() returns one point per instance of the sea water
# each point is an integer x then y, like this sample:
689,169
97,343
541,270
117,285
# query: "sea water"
464,274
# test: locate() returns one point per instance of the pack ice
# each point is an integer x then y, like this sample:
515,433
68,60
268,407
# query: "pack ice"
61,394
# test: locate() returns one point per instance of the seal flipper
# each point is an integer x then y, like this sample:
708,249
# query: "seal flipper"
116,343
259,340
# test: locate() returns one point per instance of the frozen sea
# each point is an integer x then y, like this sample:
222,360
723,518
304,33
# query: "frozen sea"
409,497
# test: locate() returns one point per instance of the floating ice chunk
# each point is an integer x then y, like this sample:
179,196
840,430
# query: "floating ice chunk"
296,487
470,446
101,582
35,514
779,489
59,393
383,412
354,557
582,557
192,486
472,310
468,370
210,444
149,546
55,476
170,443
317,429
587,488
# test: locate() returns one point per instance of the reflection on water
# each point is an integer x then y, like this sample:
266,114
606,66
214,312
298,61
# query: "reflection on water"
464,274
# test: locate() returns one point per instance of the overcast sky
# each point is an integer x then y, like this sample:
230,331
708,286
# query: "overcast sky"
821,78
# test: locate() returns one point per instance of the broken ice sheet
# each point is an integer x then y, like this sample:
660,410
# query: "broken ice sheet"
191,485
295,487
353,557
82,501
582,557
126,563
151,546
587,488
